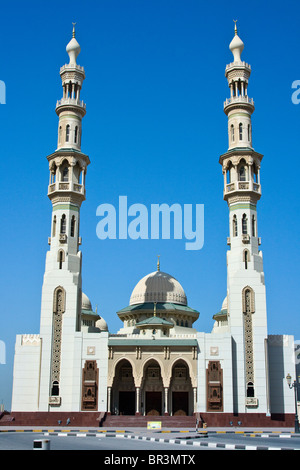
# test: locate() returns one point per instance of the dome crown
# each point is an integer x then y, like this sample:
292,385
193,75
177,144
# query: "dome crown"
158,287
236,46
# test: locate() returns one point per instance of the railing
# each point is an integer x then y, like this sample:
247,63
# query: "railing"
240,64
242,186
66,186
238,99
72,101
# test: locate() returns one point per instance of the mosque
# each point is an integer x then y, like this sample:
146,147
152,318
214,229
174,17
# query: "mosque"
158,367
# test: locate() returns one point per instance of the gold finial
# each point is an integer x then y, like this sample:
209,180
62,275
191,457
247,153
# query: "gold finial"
158,263
235,28
73,34
154,314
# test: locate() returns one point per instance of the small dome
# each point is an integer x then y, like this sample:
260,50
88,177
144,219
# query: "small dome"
158,287
101,324
224,304
85,302
236,46
73,48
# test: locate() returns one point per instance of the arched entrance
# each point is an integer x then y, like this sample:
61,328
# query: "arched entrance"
181,390
123,390
152,389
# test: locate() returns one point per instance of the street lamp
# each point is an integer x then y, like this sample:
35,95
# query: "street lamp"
295,386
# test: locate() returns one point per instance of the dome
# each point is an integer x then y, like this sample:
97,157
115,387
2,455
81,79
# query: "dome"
224,304
73,48
85,302
236,46
101,324
158,287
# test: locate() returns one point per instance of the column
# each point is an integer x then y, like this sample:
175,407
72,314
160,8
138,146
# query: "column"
109,400
195,399
166,413
137,397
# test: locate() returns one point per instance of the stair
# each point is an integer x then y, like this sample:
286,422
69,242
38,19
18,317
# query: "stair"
120,421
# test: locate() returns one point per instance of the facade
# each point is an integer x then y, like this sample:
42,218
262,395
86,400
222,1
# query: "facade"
158,364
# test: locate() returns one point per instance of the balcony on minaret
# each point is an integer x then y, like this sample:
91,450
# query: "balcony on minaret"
239,100
243,186
66,177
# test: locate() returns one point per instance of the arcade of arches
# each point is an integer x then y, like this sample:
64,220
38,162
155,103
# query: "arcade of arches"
157,384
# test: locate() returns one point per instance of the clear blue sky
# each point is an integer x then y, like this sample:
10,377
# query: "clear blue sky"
154,131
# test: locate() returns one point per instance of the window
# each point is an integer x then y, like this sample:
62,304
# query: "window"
54,226
65,174
63,224
244,224
253,226
73,226
249,132
67,133
255,174
59,134
61,258
246,258
250,390
234,226
232,132
242,173
75,134
240,131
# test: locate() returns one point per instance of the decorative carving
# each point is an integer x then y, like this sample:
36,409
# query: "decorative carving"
89,386
214,378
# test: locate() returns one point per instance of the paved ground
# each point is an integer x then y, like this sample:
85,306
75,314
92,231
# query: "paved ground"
165,440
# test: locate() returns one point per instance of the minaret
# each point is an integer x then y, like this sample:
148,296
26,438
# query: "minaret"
61,294
246,296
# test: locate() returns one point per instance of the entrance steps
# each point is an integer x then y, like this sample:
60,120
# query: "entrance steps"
121,421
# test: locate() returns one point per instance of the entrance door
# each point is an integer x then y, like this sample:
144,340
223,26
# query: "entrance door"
153,403
127,403
180,403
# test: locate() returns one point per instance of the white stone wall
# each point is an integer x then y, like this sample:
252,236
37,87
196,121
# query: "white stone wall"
281,363
26,374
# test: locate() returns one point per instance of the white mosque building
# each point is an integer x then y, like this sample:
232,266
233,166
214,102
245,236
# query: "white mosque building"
158,364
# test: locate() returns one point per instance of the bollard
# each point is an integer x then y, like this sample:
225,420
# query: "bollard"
41,444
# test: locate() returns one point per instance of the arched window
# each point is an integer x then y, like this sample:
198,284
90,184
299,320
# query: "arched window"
65,174
250,390
234,226
232,132
73,220
60,258
242,173
67,133
76,134
54,226
59,134
255,173
253,226
240,131
249,132
246,258
244,225
63,224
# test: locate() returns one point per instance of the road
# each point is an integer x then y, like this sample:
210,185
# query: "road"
141,440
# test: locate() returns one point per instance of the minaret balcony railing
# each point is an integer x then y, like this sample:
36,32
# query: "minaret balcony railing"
243,186
238,99
66,186
70,101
